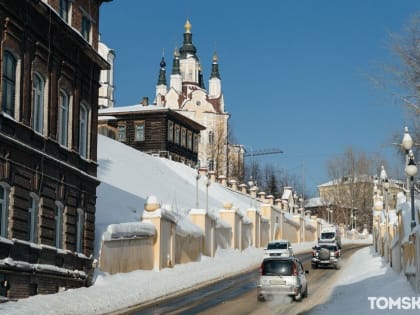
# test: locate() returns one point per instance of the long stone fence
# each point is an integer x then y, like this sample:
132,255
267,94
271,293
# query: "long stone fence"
162,239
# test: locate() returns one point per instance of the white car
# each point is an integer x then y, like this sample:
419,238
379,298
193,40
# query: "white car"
278,248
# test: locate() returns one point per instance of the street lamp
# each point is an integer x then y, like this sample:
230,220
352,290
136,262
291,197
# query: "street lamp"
385,185
411,171
331,216
197,177
301,205
407,144
251,186
328,215
208,182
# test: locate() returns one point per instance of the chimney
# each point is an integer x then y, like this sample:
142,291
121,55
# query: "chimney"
145,101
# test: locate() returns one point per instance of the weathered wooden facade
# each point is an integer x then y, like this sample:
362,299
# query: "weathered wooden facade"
153,129
48,144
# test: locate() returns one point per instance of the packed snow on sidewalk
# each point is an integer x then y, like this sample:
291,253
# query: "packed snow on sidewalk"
368,285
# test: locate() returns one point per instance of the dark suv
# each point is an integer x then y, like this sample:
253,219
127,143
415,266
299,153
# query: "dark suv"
282,276
327,255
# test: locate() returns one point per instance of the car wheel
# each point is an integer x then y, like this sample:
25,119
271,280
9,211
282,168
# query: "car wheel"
337,266
305,294
298,297
261,298
314,266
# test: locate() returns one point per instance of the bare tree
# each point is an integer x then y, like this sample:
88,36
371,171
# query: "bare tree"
402,79
350,190
217,149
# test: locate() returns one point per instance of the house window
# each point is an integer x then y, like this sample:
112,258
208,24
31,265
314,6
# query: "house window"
65,10
139,131
170,131
211,137
80,225
121,133
9,84
83,130
183,137
86,28
59,231
195,143
63,118
33,213
4,209
38,86
189,140
177,134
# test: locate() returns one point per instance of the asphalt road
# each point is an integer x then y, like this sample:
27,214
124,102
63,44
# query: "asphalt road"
238,295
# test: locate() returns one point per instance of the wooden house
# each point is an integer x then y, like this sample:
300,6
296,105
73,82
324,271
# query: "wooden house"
154,130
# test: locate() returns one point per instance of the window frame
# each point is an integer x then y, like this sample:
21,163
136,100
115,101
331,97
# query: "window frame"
80,226
59,224
183,137
33,215
189,140
9,83
84,125
176,135
211,137
4,209
122,132
170,131
63,129
86,28
38,102
64,10
142,136
196,139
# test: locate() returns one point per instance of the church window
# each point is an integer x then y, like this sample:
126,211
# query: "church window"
211,137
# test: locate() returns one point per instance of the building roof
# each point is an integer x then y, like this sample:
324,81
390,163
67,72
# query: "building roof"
139,109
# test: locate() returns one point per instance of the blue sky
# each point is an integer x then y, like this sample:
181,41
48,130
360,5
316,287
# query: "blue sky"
294,73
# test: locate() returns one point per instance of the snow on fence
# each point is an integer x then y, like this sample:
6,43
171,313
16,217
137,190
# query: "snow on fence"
132,243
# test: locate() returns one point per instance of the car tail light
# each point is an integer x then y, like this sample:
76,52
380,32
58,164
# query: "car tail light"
294,269
262,269
314,252
337,253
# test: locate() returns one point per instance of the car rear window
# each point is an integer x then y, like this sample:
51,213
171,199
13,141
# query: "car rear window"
277,268
277,246
328,235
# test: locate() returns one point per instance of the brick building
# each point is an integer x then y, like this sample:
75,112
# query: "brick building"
48,144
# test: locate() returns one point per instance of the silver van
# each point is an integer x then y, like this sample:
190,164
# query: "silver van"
282,276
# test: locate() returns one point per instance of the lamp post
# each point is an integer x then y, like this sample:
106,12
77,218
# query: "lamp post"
407,144
251,186
301,206
411,171
385,185
208,182
328,215
197,177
